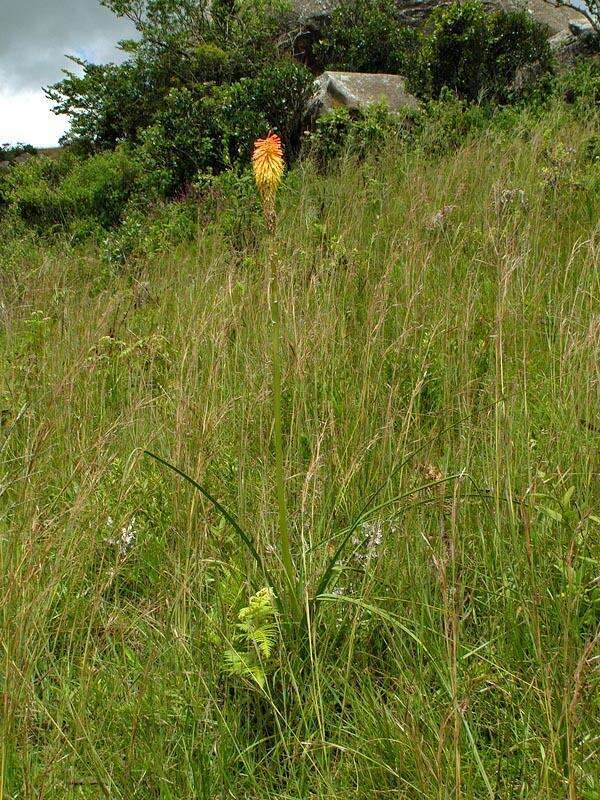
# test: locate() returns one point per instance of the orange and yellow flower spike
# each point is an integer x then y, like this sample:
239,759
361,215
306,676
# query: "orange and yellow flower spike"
268,165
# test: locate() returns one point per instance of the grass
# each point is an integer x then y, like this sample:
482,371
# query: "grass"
447,361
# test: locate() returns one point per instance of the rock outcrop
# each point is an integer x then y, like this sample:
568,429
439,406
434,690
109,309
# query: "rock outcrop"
310,15
357,90
576,40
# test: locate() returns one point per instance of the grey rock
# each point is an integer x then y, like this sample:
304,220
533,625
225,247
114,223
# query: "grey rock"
581,27
312,13
357,90
555,18
579,39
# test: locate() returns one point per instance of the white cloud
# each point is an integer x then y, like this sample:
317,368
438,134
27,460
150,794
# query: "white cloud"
26,116
35,35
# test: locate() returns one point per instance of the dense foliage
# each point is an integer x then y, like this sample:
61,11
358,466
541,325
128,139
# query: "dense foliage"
194,91
367,36
44,192
465,48
477,54
196,88
179,46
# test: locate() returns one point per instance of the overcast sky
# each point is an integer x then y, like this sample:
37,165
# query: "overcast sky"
35,36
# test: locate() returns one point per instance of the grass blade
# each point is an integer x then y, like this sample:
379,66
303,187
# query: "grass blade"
245,537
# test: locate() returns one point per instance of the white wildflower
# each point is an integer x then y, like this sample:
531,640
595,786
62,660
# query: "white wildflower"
125,539
439,218
368,541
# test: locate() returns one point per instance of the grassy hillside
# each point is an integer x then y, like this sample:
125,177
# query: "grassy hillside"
441,338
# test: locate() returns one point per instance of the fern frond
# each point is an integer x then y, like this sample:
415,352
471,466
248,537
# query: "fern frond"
258,634
264,639
241,665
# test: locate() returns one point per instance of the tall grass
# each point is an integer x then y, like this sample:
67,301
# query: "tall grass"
439,389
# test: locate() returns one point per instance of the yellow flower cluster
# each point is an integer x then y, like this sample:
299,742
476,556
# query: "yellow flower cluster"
268,165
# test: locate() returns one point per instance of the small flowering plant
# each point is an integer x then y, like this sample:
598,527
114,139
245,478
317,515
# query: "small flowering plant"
268,165
125,538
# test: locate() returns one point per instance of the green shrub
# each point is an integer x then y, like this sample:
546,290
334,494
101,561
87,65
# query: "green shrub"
477,54
330,135
276,98
180,46
186,137
230,200
3,192
365,36
449,122
580,85
472,52
144,232
45,192
339,131
200,133
209,61
516,41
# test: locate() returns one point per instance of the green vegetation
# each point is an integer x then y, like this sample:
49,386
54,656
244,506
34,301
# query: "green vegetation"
10,152
464,48
478,55
197,88
367,36
439,310
311,513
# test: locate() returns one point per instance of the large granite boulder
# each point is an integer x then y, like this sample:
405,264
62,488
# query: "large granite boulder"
555,18
578,39
357,90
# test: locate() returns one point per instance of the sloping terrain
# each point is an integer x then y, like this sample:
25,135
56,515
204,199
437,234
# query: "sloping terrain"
441,342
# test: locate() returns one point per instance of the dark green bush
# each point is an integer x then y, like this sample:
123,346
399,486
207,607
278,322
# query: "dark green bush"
45,192
340,132
330,135
449,122
146,231
200,133
437,127
180,46
478,55
516,41
276,98
580,85
366,36
196,130
186,137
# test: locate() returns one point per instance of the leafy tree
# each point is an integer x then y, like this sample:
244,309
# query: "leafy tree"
366,36
476,54
110,103
180,46
211,131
